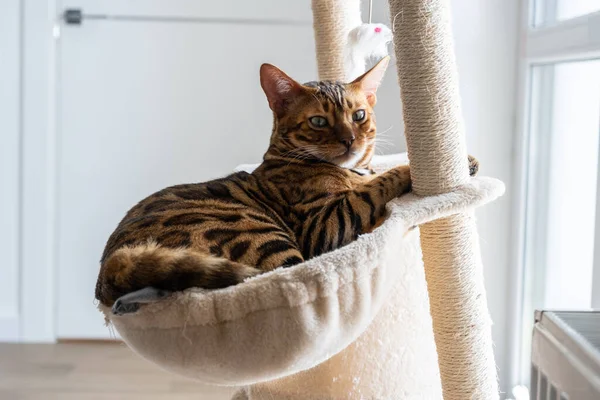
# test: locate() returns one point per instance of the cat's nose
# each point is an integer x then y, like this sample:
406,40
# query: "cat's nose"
347,141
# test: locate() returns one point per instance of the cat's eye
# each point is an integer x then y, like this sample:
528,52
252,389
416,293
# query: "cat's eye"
358,115
319,122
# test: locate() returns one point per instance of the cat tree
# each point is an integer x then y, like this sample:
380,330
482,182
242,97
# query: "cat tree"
364,321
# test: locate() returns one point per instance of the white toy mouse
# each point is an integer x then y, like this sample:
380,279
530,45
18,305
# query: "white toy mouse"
366,41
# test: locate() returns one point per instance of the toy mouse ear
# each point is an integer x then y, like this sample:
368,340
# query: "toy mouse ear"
279,88
370,80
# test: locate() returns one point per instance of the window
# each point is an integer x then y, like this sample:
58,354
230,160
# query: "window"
566,125
560,125
547,12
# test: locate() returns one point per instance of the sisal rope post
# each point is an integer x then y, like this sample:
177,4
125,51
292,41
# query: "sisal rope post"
332,21
434,132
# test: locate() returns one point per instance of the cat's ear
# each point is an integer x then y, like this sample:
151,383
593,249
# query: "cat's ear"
279,88
370,80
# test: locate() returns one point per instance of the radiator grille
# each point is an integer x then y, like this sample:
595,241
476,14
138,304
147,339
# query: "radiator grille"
566,356
541,389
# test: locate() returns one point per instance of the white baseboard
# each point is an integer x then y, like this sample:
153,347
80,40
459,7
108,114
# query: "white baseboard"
9,329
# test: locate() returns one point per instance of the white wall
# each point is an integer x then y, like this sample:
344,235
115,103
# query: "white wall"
9,168
485,35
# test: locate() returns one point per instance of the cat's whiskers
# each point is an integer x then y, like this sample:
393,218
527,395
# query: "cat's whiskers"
316,98
300,153
298,150
292,151
383,142
381,145
382,133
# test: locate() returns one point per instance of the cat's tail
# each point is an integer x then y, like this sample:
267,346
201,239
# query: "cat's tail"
149,265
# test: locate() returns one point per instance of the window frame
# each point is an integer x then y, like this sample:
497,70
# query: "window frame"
575,39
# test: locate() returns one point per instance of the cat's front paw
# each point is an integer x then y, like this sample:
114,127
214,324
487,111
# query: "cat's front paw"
473,166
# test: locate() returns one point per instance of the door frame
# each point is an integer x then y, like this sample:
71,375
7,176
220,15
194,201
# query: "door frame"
10,166
40,27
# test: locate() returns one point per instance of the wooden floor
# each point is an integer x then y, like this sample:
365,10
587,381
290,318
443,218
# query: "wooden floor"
92,371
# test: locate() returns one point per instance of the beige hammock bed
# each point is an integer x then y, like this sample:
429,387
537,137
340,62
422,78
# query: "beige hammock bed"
364,321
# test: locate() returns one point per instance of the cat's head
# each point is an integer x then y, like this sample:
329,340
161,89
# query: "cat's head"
324,121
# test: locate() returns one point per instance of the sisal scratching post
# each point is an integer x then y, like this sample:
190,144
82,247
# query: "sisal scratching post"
332,21
436,146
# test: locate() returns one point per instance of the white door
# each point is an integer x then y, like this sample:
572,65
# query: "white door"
158,94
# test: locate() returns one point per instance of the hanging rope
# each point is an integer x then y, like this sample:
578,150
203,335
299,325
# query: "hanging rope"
436,147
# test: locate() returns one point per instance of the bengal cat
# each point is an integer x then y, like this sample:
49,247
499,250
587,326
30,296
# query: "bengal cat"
313,193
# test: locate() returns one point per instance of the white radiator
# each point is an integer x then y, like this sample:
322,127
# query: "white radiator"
565,356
